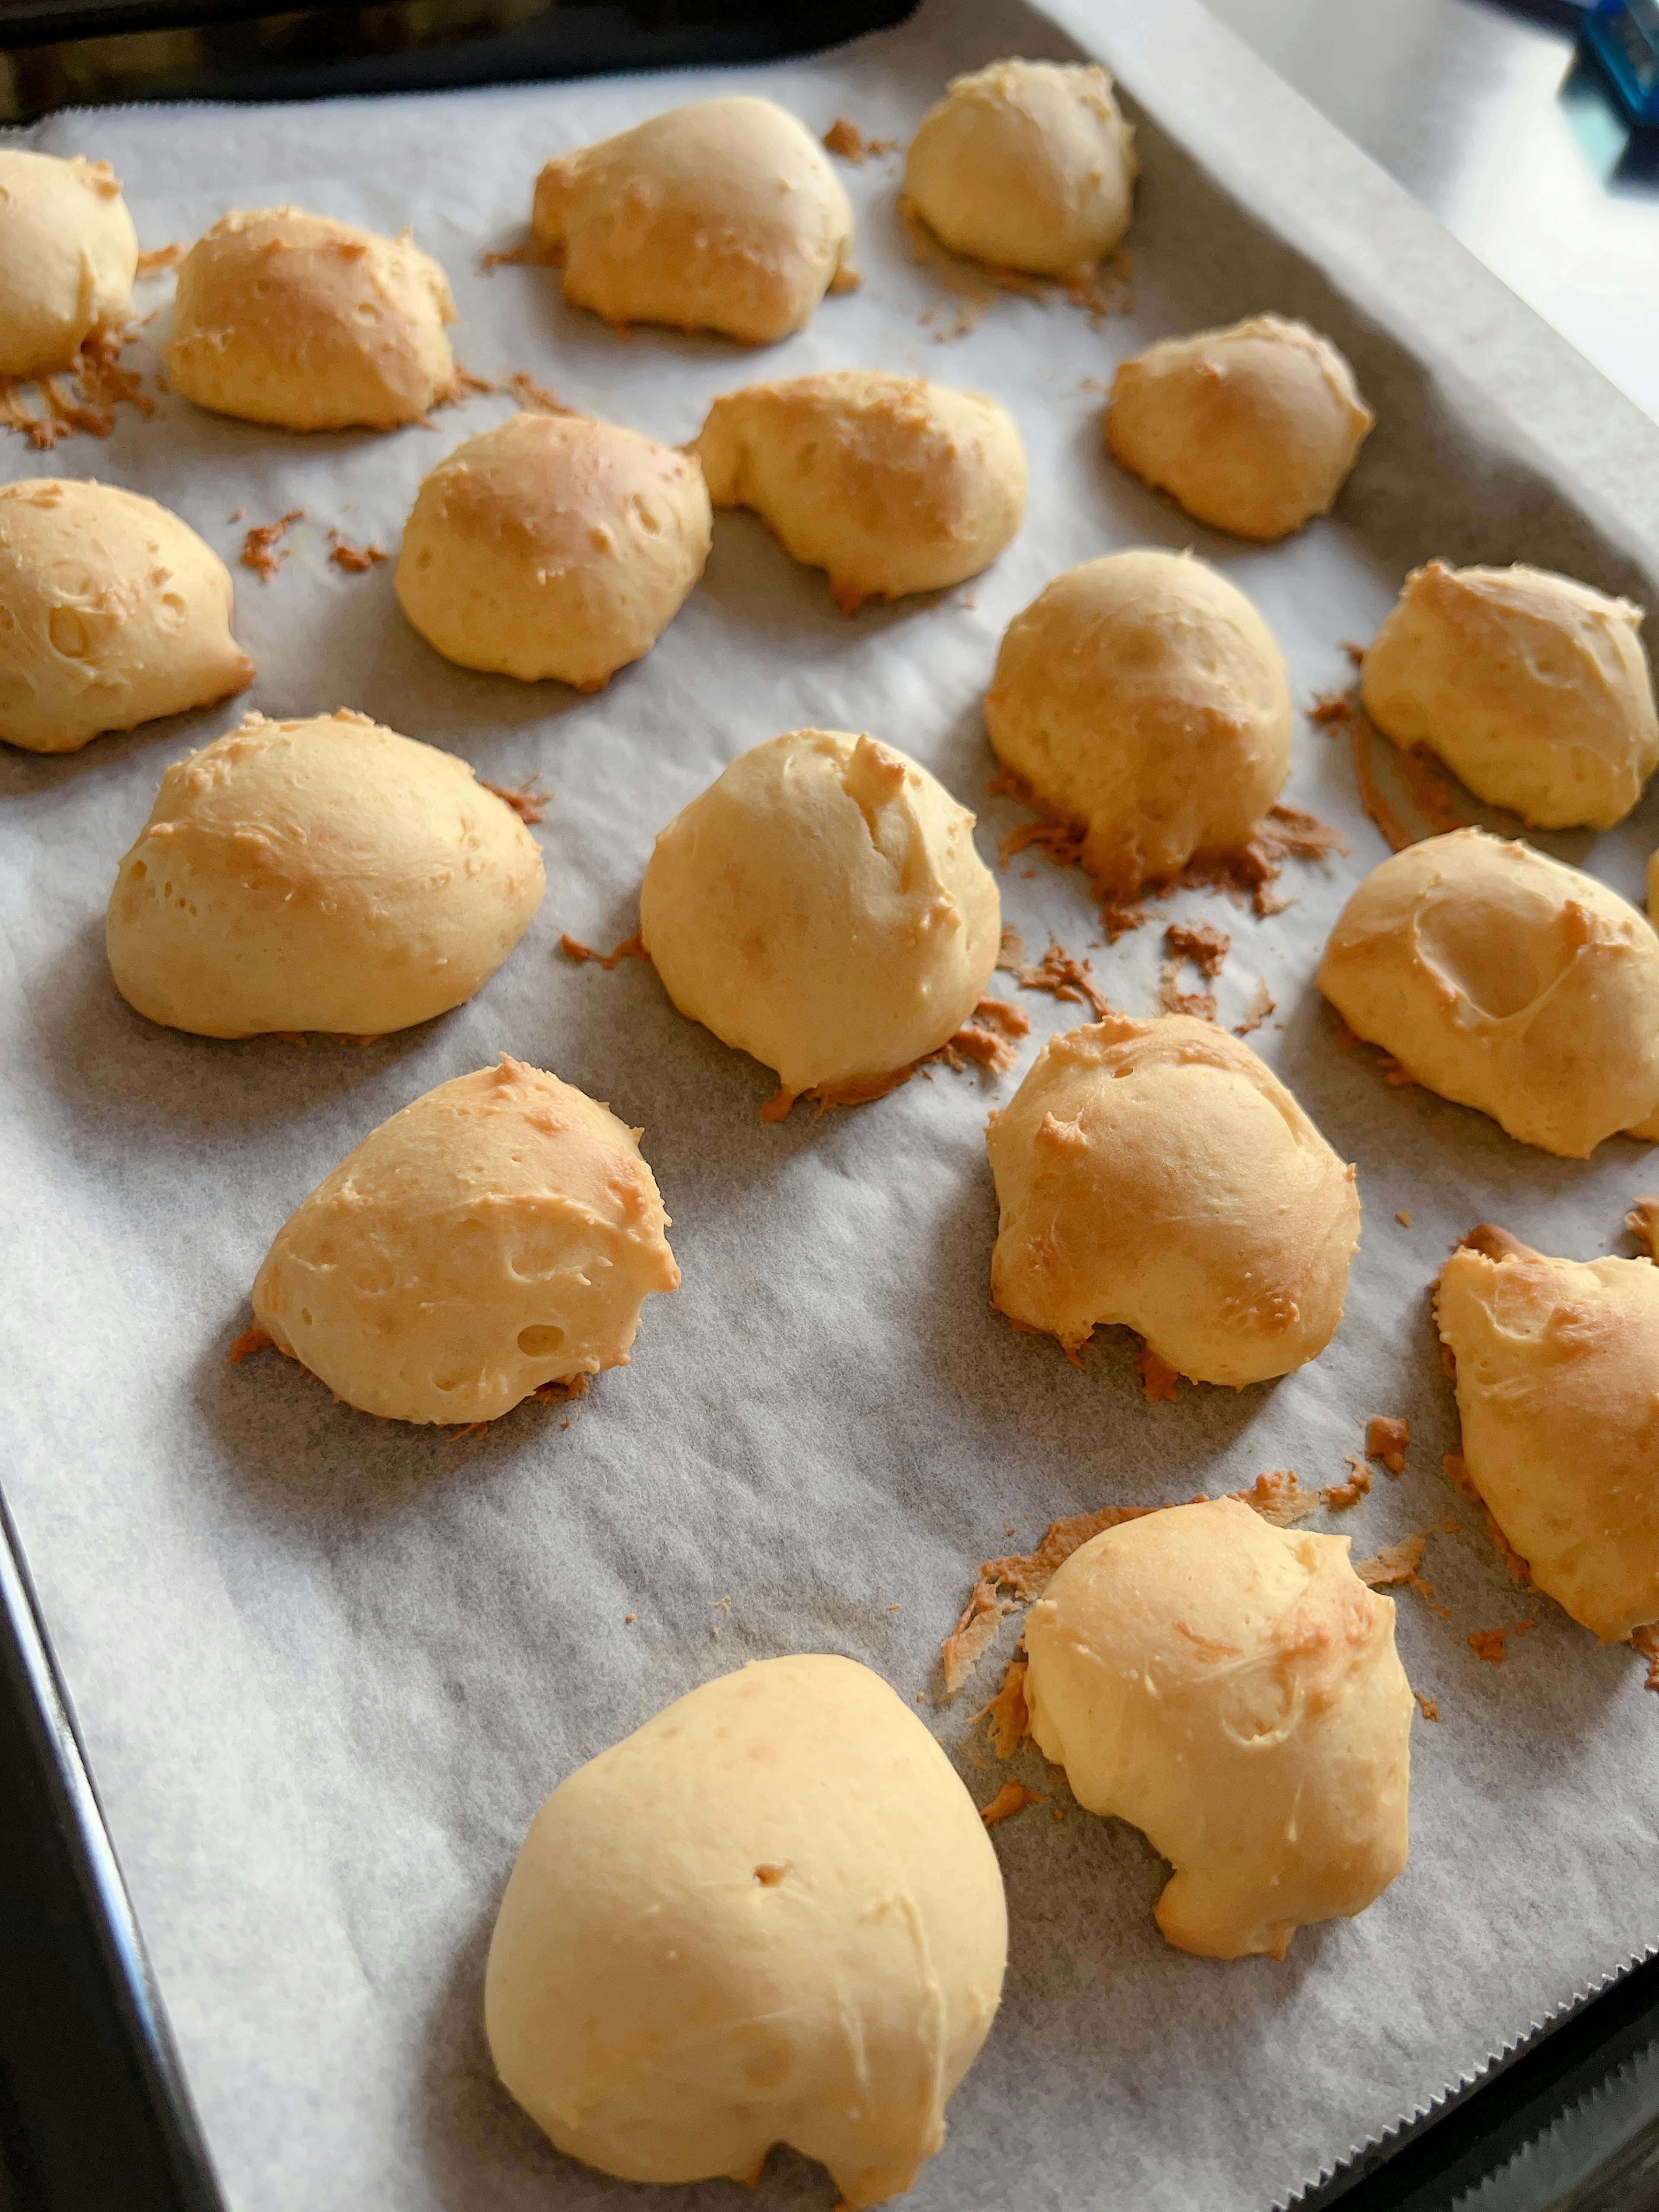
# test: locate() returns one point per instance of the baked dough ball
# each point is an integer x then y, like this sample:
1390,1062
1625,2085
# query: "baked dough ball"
1142,695
500,1233
67,256
1156,1174
770,1915
325,874
1232,1689
553,545
1507,982
1534,690
724,215
112,611
891,484
1252,430
1557,1386
293,318
1028,164
822,906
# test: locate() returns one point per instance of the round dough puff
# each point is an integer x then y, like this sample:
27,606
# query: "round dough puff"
112,611
293,318
1557,1386
724,215
822,907
1142,695
1252,430
553,545
67,256
498,1234
1506,981
1233,1689
770,1915
325,874
1156,1174
1533,688
891,484
1027,164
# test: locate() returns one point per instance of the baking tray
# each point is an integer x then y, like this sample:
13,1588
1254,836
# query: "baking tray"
1612,486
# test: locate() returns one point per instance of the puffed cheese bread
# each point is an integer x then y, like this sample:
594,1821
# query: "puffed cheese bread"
500,1233
724,215
294,319
1252,430
67,256
1231,1689
1142,696
1502,980
1533,688
1027,164
1158,1176
821,906
553,545
891,484
1558,1389
325,874
770,1915
112,611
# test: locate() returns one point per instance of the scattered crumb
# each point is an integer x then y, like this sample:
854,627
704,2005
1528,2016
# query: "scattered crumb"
1355,652
250,1341
568,1386
893,1609
1058,972
158,259
1205,947
1430,1711
1394,1562
1403,1216
1057,1812
1396,834
1386,1435
356,560
260,547
1339,1496
1013,1797
1331,708
83,397
1645,1642
1395,1074
847,140
238,514
1102,289
983,1041
628,1619
1279,1497
530,806
723,1604
530,255
1009,1715
1643,1223
857,1091
631,948
974,1633
536,399
1488,1644
1158,1378
1261,1006
921,1697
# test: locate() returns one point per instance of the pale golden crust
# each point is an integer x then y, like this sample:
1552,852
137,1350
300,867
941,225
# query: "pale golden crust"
723,215
891,484
68,256
498,1234
1156,1174
772,1914
1558,1388
1252,430
116,610
1533,689
553,545
822,906
324,874
1502,979
1142,695
1026,164
1233,1689
295,319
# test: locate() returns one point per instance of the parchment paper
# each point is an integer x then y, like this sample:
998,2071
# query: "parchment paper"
326,1669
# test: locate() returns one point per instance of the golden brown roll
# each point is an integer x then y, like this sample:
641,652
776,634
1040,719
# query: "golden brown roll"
724,215
1533,688
324,874
1027,164
1509,982
112,612
822,906
1558,1388
1232,1689
67,256
294,319
891,484
1143,697
500,1233
1158,1176
770,1915
553,545
1252,430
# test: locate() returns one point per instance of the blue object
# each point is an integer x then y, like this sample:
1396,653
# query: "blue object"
1623,36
